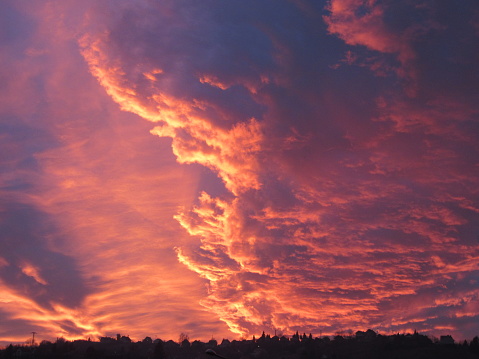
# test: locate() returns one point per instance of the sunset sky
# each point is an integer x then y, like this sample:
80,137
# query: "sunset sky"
224,167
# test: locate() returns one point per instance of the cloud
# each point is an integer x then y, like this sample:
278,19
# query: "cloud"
224,145
36,271
318,231
345,194
414,33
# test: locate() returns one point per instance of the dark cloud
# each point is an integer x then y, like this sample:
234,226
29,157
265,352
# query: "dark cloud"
54,277
16,328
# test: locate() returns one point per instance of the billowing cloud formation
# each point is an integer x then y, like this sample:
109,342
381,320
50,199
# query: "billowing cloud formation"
344,138
351,169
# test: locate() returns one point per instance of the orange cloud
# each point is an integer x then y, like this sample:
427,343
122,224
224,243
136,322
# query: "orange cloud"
230,152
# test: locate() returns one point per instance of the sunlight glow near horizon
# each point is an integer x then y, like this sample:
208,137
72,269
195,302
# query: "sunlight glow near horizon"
228,169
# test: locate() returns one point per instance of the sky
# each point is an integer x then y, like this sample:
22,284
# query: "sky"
223,168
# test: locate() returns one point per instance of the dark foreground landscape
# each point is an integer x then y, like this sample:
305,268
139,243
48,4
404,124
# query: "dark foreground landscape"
362,345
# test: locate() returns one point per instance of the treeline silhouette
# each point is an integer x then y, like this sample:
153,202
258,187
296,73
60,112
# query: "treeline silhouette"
362,345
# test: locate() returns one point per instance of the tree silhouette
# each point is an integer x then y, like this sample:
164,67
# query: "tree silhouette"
183,336
159,352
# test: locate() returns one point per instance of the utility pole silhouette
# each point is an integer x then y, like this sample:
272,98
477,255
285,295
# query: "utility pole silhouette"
33,337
